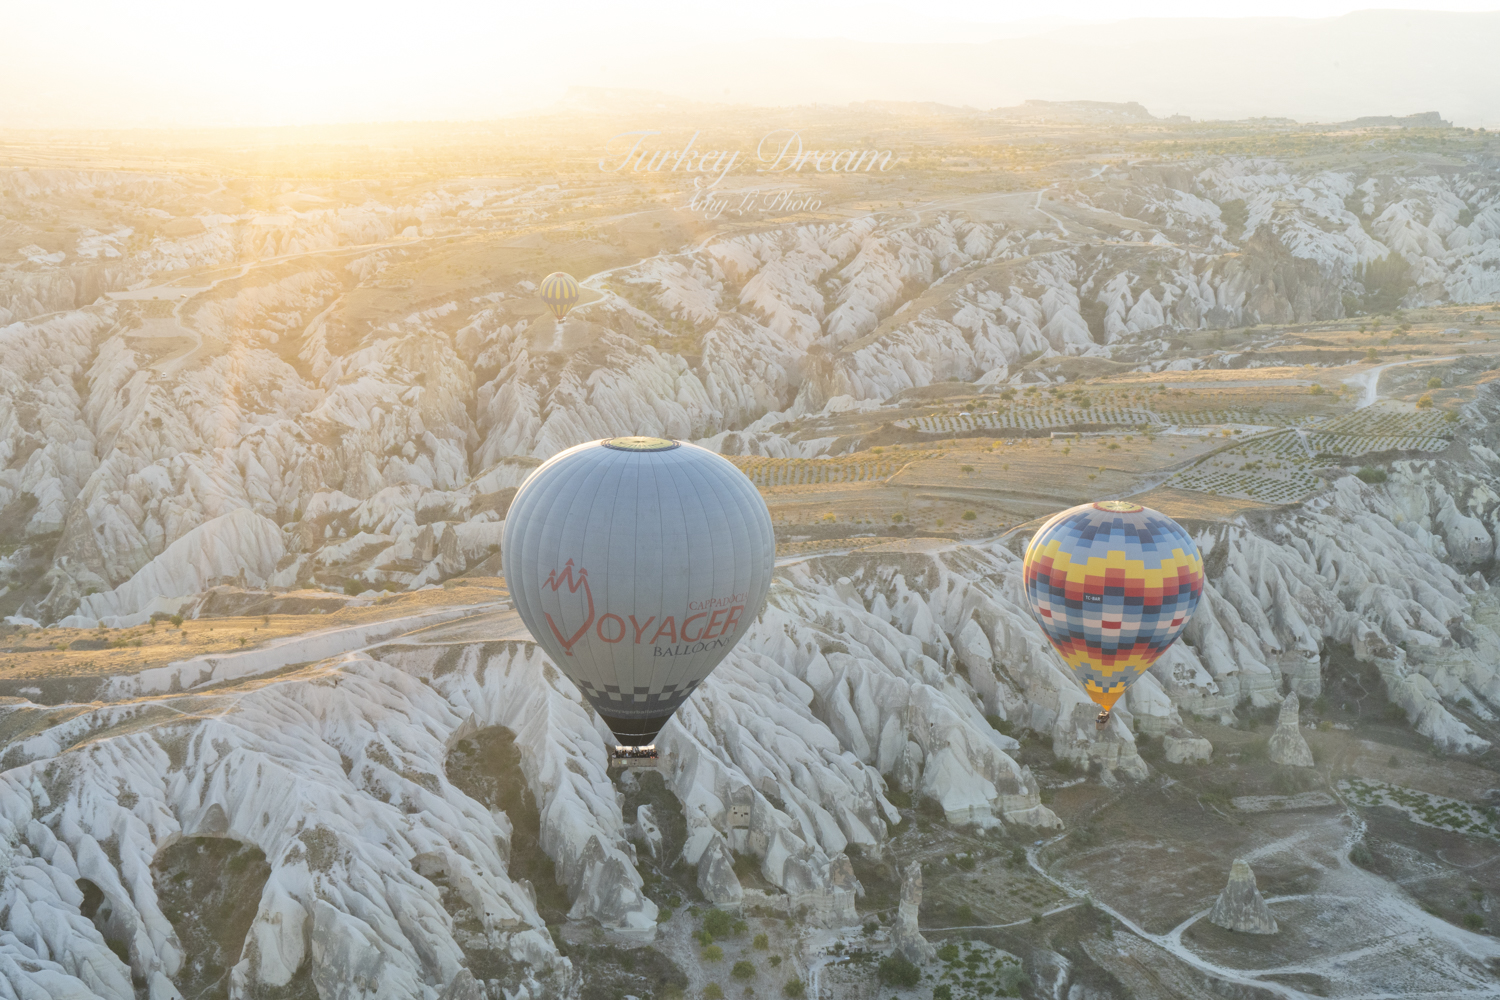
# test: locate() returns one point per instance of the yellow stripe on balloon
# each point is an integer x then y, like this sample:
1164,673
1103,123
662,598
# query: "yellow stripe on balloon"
1116,559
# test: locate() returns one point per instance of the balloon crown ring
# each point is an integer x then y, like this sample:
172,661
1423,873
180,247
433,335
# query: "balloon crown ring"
640,444
1119,506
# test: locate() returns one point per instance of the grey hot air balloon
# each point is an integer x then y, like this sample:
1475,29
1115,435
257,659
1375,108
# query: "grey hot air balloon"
637,563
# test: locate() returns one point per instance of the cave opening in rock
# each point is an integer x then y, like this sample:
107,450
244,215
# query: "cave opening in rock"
96,908
486,766
210,889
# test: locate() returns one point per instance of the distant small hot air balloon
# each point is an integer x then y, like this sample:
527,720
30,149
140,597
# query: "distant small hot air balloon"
559,291
1113,585
637,563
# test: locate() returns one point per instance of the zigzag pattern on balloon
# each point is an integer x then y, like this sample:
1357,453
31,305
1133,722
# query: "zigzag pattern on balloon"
1113,585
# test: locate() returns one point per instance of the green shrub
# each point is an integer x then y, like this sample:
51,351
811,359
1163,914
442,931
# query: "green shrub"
761,943
1425,403
795,989
713,991
176,621
948,953
743,970
713,953
1360,855
897,970
1315,390
1434,383
942,991
775,960
1372,475
718,923
1473,921
969,515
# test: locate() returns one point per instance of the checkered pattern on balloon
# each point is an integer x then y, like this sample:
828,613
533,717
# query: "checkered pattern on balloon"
1112,584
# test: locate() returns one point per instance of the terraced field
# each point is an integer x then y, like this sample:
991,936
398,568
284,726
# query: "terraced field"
768,473
1425,808
1026,417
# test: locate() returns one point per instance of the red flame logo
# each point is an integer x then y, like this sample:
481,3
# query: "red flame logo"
556,580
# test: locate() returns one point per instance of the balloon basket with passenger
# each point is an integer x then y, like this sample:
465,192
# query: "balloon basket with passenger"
647,758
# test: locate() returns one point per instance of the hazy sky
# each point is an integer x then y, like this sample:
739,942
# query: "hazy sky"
102,64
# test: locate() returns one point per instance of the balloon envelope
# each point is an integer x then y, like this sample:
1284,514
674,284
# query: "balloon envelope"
1113,585
637,564
559,291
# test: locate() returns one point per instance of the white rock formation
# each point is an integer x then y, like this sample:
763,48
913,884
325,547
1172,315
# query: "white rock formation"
1288,746
1187,749
716,878
906,936
1240,906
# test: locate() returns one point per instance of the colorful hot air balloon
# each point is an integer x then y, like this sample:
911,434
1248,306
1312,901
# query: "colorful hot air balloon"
560,293
637,563
1113,585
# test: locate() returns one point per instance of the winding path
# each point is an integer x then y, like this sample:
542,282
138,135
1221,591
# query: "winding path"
1369,381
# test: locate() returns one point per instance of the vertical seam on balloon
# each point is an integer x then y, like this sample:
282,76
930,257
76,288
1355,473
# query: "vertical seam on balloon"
665,460
742,530
579,470
680,671
606,461
713,548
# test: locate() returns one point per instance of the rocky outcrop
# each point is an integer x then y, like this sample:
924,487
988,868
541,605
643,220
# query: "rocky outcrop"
1288,746
1240,906
646,830
716,878
823,891
1187,749
905,935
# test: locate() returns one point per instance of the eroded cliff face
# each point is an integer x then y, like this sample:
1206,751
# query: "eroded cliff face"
129,423
261,432
868,672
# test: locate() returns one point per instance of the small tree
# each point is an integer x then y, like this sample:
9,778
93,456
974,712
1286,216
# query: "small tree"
718,923
795,989
1425,403
743,970
898,970
713,991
